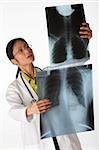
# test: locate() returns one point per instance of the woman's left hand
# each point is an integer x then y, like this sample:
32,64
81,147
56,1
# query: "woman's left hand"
85,31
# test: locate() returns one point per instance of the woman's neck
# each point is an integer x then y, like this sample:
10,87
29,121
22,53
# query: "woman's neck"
29,70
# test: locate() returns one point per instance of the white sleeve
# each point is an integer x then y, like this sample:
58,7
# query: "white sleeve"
18,109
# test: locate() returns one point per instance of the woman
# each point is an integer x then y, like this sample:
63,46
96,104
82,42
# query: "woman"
22,96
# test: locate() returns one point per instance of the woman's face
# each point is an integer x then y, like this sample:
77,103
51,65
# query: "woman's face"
22,53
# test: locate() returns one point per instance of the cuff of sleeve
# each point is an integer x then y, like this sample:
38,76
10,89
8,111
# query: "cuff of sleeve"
31,117
19,114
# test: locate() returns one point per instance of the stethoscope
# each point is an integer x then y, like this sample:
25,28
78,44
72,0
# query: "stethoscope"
27,87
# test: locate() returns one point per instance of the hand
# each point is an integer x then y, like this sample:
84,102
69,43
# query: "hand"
40,106
85,31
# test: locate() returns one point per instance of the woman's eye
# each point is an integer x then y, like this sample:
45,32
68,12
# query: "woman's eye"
20,50
27,46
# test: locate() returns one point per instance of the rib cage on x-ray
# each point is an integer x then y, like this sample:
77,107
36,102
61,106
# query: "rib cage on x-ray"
63,31
52,81
75,81
70,90
47,81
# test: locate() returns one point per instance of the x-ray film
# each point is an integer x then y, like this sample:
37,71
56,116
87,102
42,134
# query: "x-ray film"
70,90
63,24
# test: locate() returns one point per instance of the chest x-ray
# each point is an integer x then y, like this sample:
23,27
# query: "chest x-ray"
70,90
63,24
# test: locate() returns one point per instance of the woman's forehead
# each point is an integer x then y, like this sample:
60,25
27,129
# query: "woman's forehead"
19,43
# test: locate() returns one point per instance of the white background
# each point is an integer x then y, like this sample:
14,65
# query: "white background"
27,19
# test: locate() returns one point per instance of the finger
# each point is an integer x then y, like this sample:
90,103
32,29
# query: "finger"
44,107
45,101
83,28
86,36
85,24
44,111
84,33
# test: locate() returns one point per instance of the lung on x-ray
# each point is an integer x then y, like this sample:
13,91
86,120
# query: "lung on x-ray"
70,90
63,24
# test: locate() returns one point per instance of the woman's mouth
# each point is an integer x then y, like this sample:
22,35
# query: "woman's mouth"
30,55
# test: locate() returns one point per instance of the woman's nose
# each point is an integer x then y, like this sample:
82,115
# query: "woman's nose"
29,49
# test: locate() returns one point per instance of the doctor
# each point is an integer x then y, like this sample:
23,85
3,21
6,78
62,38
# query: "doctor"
22,96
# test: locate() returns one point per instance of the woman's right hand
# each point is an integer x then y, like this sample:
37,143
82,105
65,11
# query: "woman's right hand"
38,107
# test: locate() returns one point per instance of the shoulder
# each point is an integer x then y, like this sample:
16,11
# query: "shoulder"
15,85
12,91
12,86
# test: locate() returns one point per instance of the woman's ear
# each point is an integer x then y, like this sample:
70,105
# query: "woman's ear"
14,61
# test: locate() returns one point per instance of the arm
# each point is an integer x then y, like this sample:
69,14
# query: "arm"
19,111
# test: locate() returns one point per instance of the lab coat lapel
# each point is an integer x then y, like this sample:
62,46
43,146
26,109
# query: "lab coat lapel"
35,96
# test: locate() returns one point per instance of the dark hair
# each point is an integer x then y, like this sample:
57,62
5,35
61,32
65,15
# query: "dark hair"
9,47
9,50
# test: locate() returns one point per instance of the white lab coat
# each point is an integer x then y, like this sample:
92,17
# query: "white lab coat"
19,98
